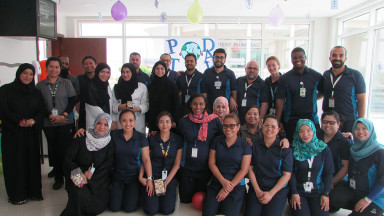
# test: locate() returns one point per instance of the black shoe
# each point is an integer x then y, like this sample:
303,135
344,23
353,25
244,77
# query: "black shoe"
57,185
51,174
19,202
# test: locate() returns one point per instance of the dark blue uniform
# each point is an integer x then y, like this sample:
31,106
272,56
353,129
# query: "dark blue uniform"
196,85
350,84
269,165
295,106
83,83
125,189
195,173
228,84
255,94
321,178
271,92
368,173
228,161
172,75
143,78
164,204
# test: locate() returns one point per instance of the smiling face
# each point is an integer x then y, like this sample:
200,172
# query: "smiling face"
101,126
104,74
53,69
252,117
165,124
361,132
166,59
252,70
159,70
230,127
198,105
270,128
220,110
127,121
26,76
305,133
126,74
89,65
329,125
190,63
298,60
338,57
219,60
273,66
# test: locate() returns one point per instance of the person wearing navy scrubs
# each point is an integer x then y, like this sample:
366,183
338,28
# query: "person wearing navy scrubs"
166,150
131,148
251,90
189,83
343,89
171,74
198,130
273,65
311,180
269,172
364,193
219,80
297,92
229,160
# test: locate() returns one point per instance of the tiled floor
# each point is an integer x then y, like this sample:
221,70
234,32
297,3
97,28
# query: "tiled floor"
55,201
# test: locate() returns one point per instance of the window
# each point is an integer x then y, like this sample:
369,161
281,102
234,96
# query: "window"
357,23
100,29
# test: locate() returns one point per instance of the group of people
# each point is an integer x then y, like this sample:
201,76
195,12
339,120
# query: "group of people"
206,132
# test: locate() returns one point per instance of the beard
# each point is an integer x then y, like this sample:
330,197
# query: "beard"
64,72
337,64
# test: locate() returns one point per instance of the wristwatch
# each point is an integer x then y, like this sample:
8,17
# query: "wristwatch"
149,178
367,200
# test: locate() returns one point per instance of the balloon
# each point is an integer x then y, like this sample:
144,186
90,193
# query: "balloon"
276,16
119,11
195,13
197,200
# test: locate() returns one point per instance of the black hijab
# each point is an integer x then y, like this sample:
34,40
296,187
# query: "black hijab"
102,87
159,84
18,85
124,89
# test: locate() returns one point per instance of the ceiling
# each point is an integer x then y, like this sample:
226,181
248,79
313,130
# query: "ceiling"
232,8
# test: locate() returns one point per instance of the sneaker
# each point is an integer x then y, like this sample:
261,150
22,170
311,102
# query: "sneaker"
57,185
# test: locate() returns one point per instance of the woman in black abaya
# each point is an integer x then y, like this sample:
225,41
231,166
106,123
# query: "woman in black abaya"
21,109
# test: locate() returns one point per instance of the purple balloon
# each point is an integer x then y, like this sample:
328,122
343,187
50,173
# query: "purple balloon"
276,16
119,11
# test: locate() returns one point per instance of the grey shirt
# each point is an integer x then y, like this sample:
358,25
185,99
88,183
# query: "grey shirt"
245,133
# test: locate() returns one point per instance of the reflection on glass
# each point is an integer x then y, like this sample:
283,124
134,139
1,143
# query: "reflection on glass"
357,23
101,29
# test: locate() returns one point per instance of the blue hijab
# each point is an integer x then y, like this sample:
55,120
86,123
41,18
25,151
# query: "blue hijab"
303,151
362,149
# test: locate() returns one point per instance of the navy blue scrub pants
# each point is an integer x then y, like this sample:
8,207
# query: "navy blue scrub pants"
342,196
163,204
230,206
309,206
192,182
275,207
125,195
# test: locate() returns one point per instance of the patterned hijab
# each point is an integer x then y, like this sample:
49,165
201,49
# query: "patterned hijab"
218,101
95,141
303,151
362,149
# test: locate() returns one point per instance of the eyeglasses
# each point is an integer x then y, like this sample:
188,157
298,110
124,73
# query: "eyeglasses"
329,122
219,57
231,126
253,68
270,126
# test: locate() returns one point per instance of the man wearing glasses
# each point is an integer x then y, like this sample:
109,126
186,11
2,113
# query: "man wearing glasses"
251,90
220,81
171,74
297,93
64,73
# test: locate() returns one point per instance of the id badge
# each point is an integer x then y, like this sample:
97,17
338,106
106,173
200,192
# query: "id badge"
331,102
272,111
187,98
217,84
55,112
194,153
244,102
352,184
308,186
164,175
302,92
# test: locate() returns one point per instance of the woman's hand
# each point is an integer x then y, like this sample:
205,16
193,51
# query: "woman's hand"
59,119
361,205
348,135
79,133
149,187
135,109
84,182
249,141
166,182
143,181
227,185
284,143
324,202
88,174
152,133
265,197
295,200
23,123
221,195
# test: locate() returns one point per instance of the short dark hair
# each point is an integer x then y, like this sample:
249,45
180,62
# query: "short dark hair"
338,47
272,116
166,54
191,54
232,116
51,59
297,49
196,95
66,57
331,113
126,111
134,53
163,113
220,50
88,57
250,107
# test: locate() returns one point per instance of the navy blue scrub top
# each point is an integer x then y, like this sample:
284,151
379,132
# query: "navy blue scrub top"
190,131
339,146
228,160
157,159
271,92
321,174
350,84
127,158
228,84
368,172
196,84
172,75
296,107
270,163
143,78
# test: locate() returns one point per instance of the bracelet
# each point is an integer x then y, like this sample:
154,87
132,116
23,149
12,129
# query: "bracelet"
149,178
367,200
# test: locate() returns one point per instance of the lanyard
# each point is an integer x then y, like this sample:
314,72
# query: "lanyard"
273,92
246,86
53,93
310,162
189,82
165,153
195,134
334,83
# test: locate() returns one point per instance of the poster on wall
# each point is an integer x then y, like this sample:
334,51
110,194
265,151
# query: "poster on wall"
178,48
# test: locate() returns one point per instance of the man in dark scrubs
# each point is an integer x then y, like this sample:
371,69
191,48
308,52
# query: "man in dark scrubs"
171,74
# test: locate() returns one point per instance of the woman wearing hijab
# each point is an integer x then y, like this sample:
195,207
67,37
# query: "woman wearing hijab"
221,107
312,175
99,95
163,96
21,109
130,94
364,192
93,154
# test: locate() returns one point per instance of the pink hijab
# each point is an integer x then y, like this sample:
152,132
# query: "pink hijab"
221,100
